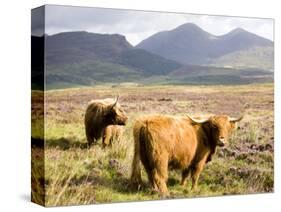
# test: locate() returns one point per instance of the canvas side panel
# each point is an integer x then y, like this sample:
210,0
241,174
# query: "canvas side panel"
37,105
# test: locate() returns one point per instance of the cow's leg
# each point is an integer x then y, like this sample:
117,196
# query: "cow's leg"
89,136
111,141
160,175
185,174
149,175
196,170
106,140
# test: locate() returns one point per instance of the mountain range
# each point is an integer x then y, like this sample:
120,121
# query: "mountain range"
89,58
189,44
186,54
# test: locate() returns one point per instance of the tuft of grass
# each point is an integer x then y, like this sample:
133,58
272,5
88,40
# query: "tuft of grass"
253,134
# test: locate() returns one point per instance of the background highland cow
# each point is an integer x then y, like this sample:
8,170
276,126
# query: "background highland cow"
100,114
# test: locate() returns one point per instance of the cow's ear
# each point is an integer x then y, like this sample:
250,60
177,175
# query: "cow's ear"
233,125
111,109
234,120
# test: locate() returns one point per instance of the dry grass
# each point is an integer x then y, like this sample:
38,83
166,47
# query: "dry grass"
78,175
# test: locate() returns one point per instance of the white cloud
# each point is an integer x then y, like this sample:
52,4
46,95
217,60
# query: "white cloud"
138,25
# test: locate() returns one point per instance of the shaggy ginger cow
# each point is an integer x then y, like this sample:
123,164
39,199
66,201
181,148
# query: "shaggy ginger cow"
101,113
177,142
112,133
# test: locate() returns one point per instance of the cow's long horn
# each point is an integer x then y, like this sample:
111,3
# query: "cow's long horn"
236,119
197,121
115,101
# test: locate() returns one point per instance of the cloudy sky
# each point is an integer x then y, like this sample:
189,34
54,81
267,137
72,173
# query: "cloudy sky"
138,25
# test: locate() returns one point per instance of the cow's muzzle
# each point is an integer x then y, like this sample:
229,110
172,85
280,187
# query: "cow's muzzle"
221,142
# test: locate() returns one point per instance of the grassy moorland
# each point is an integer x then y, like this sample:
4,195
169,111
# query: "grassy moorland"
75,174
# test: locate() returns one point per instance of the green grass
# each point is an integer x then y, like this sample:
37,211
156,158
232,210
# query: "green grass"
75,174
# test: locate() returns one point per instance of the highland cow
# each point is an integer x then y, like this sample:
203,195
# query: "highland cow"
111,134
101,113
163,142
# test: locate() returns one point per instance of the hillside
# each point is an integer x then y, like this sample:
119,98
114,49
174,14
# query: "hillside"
74,47
189,44
263,57
82,58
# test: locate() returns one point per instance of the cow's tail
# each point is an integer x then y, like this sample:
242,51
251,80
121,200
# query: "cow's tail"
136,169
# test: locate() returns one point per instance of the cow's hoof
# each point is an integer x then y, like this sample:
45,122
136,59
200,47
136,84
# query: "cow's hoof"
135,186
165,195
154,191
183,183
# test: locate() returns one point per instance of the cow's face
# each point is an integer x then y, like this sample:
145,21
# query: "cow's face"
219,127
119,116
115,114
